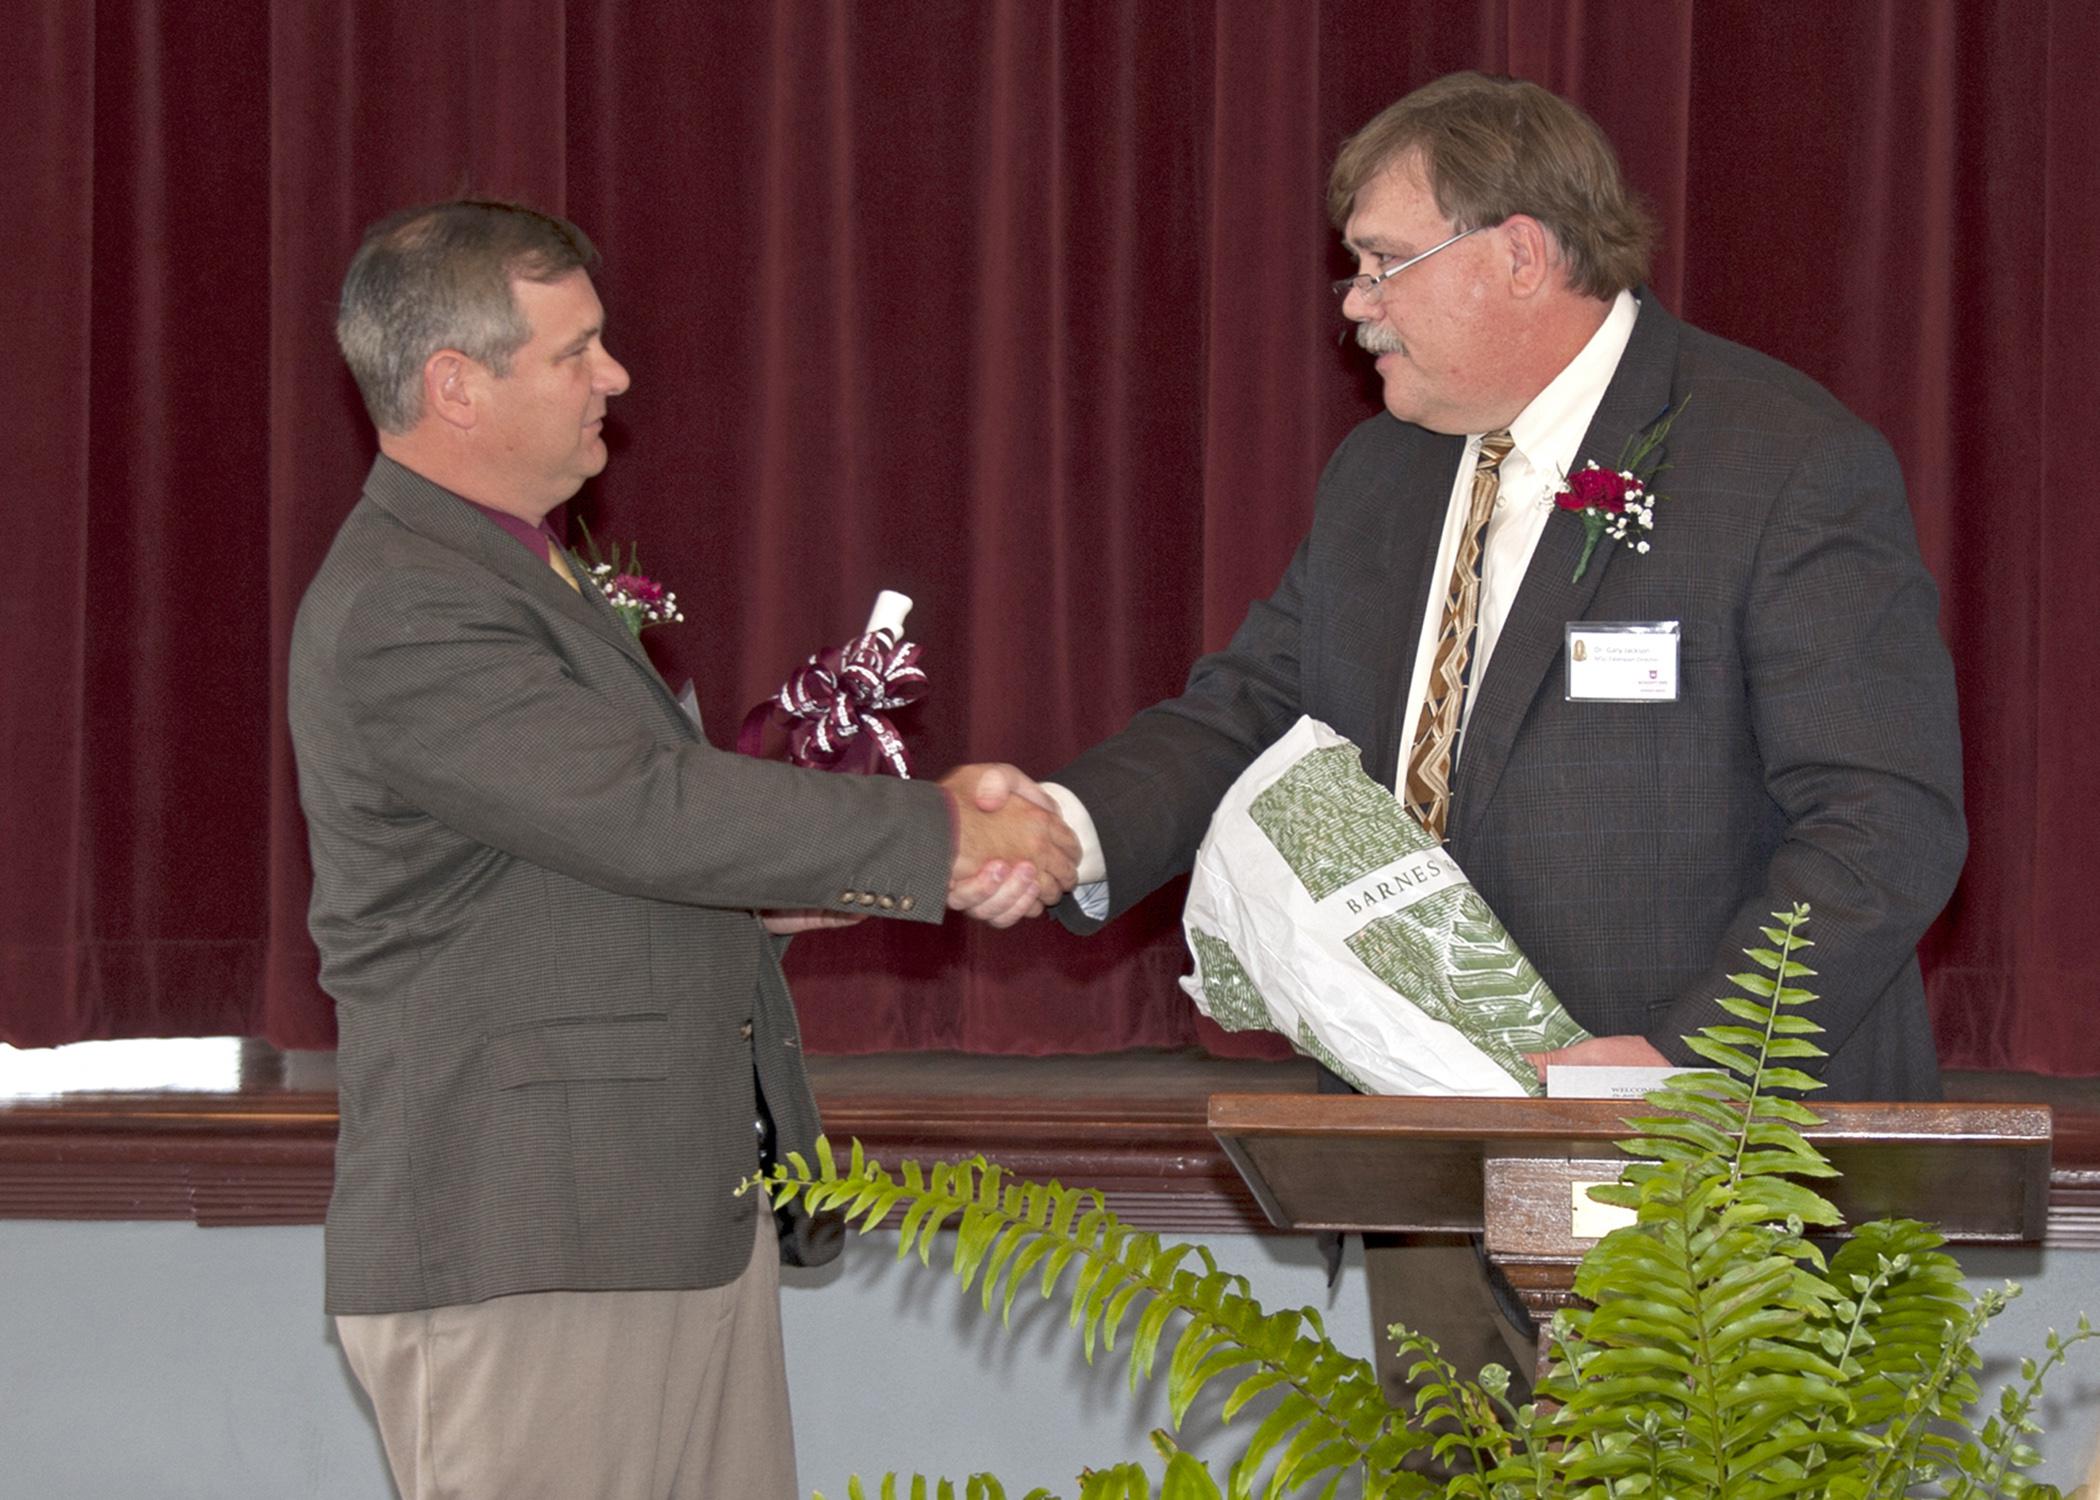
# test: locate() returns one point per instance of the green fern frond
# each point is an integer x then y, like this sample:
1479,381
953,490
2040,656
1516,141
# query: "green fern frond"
1328,1412
1991,1464
919,1487
1724,1354
1705,1367
1185,1478
1460,1414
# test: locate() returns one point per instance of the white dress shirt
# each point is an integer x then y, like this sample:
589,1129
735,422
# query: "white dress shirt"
1544,439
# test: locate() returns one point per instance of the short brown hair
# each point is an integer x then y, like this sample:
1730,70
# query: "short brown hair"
1493,147
439,277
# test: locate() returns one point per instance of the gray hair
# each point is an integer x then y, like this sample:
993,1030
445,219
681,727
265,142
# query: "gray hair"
1494,147
439,277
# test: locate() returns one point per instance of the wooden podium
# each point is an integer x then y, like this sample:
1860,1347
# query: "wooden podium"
1515,1171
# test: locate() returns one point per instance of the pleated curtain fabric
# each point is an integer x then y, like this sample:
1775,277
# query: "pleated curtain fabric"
937,239
1435,748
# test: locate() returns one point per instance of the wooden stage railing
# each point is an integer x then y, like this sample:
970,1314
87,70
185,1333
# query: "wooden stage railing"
252,1140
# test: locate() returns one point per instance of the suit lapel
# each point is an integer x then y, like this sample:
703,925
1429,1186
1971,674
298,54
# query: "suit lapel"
437,513
1530,643
1413,512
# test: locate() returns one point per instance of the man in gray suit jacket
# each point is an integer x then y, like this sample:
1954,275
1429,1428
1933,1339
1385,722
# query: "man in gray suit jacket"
537,896
1806,749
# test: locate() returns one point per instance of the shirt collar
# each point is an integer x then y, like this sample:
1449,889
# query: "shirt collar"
1549,431
539,540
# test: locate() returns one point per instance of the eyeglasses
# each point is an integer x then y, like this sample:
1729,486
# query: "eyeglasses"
1371,286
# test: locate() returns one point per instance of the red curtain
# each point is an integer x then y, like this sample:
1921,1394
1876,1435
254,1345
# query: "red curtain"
1015,306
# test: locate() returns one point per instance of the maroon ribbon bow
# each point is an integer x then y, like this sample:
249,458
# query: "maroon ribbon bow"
836,705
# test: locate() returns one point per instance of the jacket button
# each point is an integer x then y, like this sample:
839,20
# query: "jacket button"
847,898
744,1031
907,903
867,898
887,902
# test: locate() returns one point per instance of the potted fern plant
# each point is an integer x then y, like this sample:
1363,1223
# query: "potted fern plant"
1724,1352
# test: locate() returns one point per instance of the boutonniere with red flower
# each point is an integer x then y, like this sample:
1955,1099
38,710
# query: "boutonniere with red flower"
635,597
1618,503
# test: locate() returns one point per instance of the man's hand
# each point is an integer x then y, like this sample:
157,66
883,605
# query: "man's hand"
1601,1052
1014,854
807,919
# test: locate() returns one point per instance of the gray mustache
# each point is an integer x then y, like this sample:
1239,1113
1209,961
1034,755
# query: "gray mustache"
1375,338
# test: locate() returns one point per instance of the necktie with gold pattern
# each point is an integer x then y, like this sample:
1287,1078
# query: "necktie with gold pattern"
560,565
1435,748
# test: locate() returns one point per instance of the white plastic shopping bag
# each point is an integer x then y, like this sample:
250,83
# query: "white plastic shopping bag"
1321,910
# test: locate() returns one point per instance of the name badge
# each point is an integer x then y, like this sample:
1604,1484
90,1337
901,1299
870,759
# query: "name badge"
1623,662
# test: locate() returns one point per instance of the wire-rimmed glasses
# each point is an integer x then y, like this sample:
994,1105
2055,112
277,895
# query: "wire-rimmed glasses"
1371,286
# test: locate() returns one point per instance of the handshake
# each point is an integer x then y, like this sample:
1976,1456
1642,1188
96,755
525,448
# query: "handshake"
1014,853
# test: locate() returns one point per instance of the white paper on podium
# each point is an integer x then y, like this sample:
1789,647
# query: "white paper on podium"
1595,1082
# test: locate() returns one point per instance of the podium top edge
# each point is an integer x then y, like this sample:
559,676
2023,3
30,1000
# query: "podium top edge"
1543,1120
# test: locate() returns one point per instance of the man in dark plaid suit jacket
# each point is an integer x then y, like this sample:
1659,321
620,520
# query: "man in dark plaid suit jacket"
1808,750
538,896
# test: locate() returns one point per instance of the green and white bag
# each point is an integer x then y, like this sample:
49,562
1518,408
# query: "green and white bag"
1321,910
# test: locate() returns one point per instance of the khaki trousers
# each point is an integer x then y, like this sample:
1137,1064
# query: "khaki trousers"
672,1395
